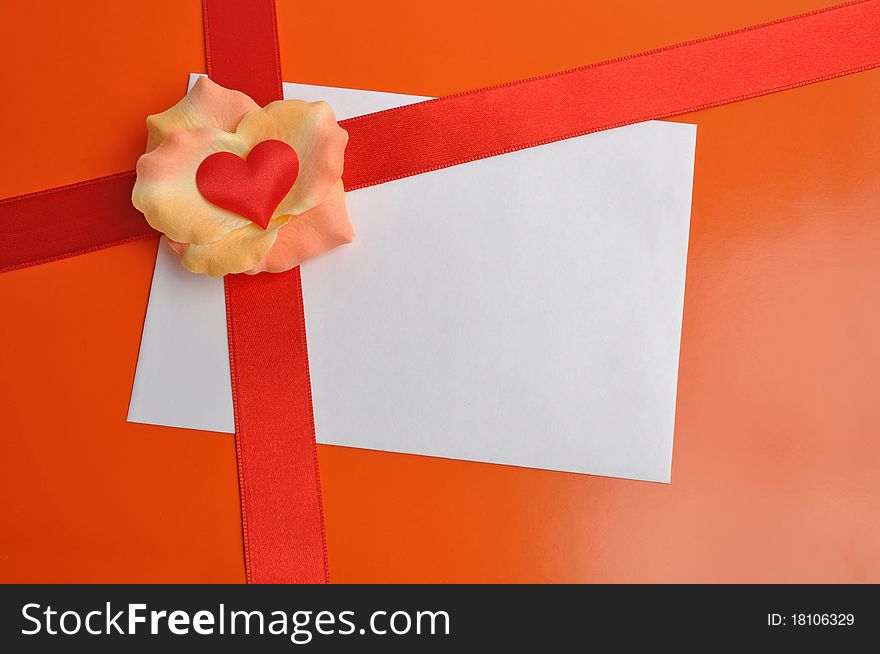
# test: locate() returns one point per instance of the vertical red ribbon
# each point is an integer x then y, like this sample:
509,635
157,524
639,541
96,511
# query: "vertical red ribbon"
281,508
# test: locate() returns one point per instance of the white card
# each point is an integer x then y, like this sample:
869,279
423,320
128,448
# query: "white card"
523,309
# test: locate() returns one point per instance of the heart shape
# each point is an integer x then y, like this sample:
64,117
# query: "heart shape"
252,187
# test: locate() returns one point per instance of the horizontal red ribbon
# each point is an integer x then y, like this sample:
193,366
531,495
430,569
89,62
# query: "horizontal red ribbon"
670,81
417,138
69,220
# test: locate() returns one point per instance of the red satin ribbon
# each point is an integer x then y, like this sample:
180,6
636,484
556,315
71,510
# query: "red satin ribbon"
678,79
281,510
241,47
69,220
280,489
388,145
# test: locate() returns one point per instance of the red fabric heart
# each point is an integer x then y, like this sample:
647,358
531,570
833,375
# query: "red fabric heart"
252,187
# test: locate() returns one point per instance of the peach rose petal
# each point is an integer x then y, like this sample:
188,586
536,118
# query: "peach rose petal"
312,233
311,129
179,248
239,251
311,219
166,191
206,105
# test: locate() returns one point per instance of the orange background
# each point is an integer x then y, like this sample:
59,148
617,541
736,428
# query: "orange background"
775,473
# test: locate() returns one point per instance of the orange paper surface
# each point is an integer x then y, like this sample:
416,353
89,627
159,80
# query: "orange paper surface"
776,451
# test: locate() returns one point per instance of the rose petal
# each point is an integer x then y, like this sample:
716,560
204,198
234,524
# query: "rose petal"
206,105
179,248
166,191
311,129
239,251
310,234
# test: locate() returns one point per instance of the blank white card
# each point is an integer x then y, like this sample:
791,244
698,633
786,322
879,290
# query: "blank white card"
523,309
